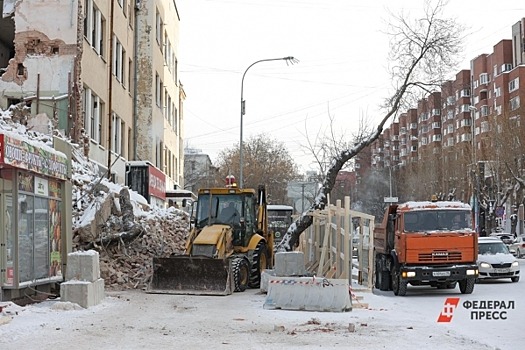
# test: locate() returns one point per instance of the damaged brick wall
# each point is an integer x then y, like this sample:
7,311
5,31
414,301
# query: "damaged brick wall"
32,43
77,115
33,29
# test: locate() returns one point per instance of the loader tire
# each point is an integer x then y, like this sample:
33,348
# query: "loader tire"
259,263
241,273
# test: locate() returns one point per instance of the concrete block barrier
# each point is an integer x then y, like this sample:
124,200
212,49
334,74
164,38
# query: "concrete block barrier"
289,264
83,266
85,294
308,294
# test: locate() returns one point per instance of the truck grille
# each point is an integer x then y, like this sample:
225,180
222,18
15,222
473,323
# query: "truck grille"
439,256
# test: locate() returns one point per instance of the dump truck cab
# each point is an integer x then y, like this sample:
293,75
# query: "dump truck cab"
426,243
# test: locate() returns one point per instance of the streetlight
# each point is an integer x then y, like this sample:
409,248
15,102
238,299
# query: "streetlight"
289,59
473,110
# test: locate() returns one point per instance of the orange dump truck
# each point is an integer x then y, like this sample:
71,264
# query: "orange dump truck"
426,243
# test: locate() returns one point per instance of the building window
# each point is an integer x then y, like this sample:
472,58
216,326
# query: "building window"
94,24
483,78
506,67
115,134
158,90
464,93
159,26
515,103
484,111
514,84
484,126
119,59
93,108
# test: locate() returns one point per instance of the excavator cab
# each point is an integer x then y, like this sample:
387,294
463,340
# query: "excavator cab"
227,248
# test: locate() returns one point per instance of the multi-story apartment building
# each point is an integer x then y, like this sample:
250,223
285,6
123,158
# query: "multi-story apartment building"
459,127
159,106
104,73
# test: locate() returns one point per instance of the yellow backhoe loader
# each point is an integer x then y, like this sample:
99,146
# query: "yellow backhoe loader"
227,248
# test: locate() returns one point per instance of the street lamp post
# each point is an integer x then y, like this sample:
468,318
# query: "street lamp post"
290,59
473,110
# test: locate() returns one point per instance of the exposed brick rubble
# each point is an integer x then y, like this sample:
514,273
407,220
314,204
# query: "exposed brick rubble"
126,242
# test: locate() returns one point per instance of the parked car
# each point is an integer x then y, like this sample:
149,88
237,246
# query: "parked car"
505,237
517,247
495,260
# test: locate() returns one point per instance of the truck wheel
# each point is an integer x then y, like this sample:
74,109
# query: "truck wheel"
377,279
466,286
515,279
398,284
241,273
384,280
259,263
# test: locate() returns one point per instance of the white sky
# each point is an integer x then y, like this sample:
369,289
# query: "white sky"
341,48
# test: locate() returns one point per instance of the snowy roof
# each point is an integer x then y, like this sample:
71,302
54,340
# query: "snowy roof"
432,205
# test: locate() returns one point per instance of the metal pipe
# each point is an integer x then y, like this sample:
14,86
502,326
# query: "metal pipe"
110,87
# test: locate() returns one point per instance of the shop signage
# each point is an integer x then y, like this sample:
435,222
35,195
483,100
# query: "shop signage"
157,183
21,154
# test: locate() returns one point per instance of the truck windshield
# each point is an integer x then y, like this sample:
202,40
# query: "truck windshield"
437,220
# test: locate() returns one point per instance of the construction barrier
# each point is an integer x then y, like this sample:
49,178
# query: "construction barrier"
328,247
308,294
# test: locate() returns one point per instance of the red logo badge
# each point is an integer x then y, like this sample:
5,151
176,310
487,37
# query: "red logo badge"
448,310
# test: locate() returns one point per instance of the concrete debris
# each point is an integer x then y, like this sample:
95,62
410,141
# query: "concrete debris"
127,234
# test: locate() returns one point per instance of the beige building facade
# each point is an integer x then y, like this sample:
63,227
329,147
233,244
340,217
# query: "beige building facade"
103,73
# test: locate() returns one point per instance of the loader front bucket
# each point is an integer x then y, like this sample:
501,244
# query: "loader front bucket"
195,275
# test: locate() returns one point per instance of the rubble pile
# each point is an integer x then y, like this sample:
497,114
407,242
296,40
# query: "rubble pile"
126,265
123,228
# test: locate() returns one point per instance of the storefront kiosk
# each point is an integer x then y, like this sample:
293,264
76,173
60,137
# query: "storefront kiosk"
34,228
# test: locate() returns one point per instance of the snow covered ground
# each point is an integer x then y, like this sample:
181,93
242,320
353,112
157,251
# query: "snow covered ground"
136,320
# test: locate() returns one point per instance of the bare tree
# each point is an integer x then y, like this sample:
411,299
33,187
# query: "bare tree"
266,161
422,51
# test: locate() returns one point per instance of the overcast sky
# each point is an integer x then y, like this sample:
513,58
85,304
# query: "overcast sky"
342,49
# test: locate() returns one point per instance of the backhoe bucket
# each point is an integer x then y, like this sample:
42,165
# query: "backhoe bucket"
196,275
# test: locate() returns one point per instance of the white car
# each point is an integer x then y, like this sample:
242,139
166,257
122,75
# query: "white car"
495,260
517,247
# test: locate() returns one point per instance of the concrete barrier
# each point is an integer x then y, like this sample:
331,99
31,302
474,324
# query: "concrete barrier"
308,294
84,285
